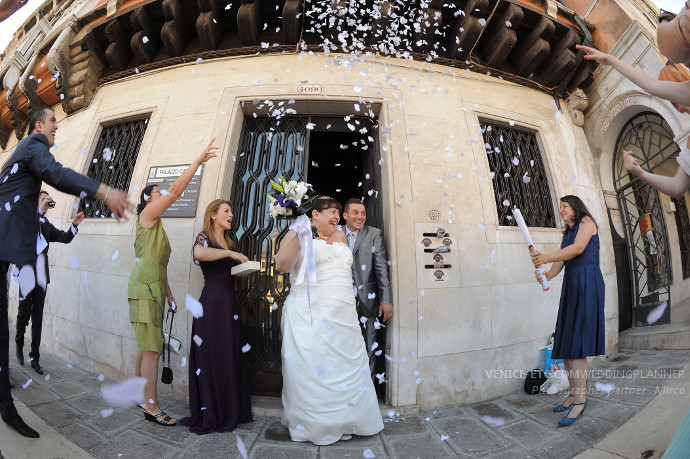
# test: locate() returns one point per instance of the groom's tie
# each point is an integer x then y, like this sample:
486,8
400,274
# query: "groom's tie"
351,241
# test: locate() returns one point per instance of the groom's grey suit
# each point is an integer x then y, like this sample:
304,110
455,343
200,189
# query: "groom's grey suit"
370,275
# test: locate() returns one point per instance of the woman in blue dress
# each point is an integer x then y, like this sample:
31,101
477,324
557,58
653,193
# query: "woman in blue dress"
580,323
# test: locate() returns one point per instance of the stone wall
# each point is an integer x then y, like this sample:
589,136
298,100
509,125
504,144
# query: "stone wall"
495,317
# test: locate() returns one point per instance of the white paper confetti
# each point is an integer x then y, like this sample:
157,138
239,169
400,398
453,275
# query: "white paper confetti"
194,307
197,339
106,412
127,393
27,384
494,421
246,348
656,313
606,388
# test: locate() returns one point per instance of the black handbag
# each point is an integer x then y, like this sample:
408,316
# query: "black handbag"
167,376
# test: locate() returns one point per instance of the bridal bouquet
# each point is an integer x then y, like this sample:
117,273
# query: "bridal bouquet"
290,199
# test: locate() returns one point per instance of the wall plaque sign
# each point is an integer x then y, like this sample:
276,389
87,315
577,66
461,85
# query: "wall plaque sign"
165,176
310,89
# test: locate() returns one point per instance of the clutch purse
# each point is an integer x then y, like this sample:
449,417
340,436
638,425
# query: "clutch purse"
173,344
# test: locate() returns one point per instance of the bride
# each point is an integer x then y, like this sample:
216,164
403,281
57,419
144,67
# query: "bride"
328,394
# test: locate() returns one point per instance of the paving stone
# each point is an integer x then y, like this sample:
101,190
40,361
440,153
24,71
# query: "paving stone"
33,395
443,412
217,444
491,409
410,424
529,434
336,450
591,430
522,401
282,452
618,413
132,444
565,446
68,389
631,395
275,431
82,436
370,441
512,453
72,372
91,383
90,404
116,422
470,436
48,361
414,446
59,415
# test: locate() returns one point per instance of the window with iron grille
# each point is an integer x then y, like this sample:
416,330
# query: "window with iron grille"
519,176
113,161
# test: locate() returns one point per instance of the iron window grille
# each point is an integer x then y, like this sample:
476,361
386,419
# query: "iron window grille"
113,161
519,176
683,224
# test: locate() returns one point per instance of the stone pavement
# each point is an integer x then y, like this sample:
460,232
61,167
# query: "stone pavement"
70,403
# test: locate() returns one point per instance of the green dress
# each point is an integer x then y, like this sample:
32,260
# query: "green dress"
148,284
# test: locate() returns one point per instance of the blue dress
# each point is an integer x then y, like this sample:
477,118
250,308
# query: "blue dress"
580,323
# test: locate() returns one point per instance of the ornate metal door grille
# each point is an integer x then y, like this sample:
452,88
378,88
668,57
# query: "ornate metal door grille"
268,149
113,161
651,140
519,177
683,224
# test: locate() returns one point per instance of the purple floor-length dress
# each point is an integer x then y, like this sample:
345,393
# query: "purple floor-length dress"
219,397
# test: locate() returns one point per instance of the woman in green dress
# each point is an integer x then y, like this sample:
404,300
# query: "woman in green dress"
148,285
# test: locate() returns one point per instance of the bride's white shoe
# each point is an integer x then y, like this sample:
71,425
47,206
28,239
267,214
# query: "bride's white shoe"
345,437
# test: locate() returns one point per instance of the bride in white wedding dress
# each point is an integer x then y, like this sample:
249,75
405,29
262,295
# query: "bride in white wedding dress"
328,394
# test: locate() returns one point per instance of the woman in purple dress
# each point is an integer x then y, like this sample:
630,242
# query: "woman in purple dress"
218,378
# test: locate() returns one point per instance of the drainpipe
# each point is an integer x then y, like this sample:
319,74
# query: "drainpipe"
558,92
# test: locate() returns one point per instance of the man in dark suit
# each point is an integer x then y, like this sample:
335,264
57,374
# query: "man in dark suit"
369,272
32,306
20,184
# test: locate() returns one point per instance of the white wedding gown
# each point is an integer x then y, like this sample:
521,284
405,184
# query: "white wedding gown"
327,387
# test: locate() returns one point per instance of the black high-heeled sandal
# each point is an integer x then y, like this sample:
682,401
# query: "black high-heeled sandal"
160,418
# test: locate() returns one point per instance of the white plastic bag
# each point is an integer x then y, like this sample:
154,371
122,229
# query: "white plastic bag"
557,381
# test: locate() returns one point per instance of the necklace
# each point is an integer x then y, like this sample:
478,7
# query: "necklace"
317,234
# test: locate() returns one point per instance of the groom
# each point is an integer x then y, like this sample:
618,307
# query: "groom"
369,272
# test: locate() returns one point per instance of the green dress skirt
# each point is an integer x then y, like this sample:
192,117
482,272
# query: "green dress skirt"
148,285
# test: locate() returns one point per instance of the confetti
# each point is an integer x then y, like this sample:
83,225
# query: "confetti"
494,421
106,412
115,255
240,447
246,348
128,392
27,384
368,453
194,307
606,388
444,437
197,339
101,377
183,363
656,313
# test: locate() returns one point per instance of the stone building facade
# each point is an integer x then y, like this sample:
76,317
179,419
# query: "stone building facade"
449,126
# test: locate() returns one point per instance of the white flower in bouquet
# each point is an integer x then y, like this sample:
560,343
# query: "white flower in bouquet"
301,189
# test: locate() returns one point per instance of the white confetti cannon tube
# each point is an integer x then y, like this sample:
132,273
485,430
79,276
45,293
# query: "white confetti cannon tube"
530,245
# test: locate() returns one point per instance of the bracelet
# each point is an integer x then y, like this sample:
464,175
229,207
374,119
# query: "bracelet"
106,195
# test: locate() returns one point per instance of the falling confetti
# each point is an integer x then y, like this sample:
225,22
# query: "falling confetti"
494,421
128,392
246,348
656,313
115,255
606,388
194,307
197,339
